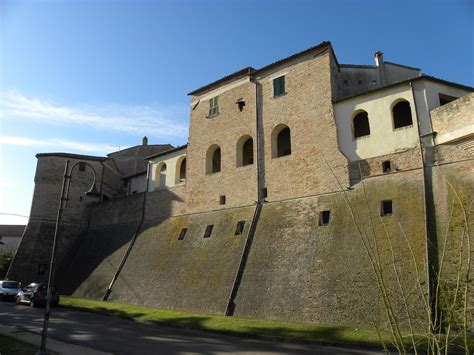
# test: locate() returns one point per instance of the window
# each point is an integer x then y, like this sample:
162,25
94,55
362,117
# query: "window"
324,218
445,99
82,166
182,234
213,106
281,141
245,151
161,172
213,159
208,231
264,192
386,208
402,115
239,229
222,199
181,170
386,166
361,125
42,269
279,86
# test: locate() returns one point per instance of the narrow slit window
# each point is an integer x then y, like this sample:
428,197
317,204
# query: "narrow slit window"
264,192
222,200
182,234
324,217
213,106
208,231
240,228
386,208
386,166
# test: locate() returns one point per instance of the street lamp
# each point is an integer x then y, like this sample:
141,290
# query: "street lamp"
92,192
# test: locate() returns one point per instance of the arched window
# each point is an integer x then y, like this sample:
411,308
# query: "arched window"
361,125
281,141
245,151
402,114
213,159
181,170
161,174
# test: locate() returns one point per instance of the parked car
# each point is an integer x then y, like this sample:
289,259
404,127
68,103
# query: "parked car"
9,289
36,295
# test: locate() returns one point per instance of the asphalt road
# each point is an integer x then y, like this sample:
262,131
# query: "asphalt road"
122,336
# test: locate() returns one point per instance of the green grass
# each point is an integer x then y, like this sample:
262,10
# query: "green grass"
11,346
231,325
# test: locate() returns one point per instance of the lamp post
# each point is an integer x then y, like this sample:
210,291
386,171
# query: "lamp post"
92,192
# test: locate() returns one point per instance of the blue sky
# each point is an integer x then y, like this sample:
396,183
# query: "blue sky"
89,76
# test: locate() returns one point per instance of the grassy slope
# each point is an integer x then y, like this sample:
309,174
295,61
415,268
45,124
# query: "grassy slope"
296,331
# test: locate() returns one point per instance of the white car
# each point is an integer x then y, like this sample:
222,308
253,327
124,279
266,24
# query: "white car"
9,289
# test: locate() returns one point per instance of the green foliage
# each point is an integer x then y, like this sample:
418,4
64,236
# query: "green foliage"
5,260
231,325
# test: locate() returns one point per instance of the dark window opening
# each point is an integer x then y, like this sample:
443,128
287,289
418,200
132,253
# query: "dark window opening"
445,99
81,198
182,234
386,208
240,228
345,82
386,166
125,183
222,200
240,103
402,115
182,170
264,192
208,231
105,198
279,86
216,161
284,142
82,166
374,82
42,269
247,152
324,218
361,125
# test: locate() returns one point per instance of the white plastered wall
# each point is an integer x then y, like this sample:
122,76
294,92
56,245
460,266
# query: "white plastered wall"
173,163
383,138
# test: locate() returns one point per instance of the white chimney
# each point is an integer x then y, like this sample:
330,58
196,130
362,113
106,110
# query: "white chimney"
378,56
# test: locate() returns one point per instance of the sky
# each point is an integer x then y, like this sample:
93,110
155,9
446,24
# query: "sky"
92,77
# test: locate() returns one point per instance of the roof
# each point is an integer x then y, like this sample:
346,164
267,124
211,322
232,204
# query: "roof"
11,230
251,71
238,74
181,147
72,156
423,76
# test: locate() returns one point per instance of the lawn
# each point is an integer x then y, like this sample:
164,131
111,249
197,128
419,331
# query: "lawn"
231,325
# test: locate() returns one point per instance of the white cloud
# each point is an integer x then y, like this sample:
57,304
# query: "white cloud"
143,120
59,144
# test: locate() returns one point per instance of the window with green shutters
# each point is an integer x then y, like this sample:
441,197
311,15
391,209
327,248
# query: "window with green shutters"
213,106
279,86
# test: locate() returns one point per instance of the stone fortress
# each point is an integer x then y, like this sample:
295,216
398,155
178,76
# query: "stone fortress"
252,217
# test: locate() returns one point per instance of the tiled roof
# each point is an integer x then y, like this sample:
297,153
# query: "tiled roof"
72,156
181,147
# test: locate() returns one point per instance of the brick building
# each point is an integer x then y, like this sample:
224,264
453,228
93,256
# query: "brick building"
296,175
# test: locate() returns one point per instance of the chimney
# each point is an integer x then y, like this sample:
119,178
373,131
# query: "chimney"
145,141
378,56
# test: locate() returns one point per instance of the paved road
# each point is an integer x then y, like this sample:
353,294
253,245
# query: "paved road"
122,336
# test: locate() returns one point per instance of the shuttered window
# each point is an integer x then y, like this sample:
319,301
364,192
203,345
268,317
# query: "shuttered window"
213,106
279,86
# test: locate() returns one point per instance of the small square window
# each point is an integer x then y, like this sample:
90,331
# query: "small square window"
82,166
222,200
182,234
213,106
42,269
345,82
279,86
386,208
324,218
208,231
240,228
386,166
